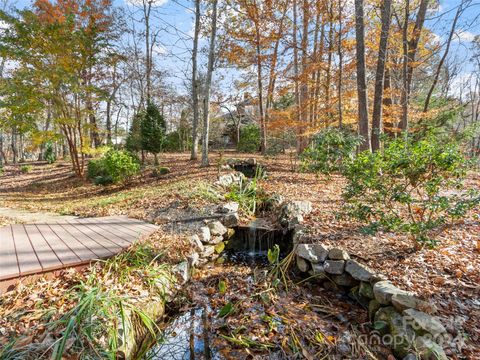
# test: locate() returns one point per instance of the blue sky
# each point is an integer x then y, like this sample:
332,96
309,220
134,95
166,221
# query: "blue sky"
175,17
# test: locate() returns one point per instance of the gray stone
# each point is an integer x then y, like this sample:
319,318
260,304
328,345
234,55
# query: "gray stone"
334,267
231,220
204,234
292,212
193,259
384,290
423,323
229,207
214,240
230,179
338,254
208,251
428,349
410,357
217,228
196,243
318,271
377,277
403,335
382,318
344,280
408,301
387,319
366,290
314,253
182,270
302,264
359,271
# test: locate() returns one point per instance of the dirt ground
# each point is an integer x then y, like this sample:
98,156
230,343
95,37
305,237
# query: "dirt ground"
448,275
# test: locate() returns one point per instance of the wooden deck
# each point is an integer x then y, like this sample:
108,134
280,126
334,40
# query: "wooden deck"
28,249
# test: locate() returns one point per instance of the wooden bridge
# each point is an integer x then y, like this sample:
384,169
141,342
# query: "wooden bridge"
29,249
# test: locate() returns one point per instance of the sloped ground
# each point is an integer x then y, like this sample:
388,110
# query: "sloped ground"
448,275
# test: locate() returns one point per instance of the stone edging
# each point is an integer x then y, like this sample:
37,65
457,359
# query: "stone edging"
400,319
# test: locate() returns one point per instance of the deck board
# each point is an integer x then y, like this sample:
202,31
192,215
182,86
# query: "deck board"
38,248
26,255
47,257
8,255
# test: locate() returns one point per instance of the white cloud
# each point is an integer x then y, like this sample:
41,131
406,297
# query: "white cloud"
464,35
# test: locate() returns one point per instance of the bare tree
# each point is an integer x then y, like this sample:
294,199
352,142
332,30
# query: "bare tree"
379,76
194,154
206,99
361,77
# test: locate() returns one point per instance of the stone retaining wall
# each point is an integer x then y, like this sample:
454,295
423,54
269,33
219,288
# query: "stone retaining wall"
399,318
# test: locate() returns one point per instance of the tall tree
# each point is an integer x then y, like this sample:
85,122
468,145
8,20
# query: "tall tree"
380,74
363,127
206,99
196,120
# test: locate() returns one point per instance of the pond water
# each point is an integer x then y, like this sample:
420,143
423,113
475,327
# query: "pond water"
186,338
188,335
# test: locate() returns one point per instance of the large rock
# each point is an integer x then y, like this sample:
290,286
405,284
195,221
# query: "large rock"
208,251
334,267
217,228
403,335
384,290
292,212
229,207
428,349
234,178
359,271
338,254
302,264
423,323
314,253
231,220
204,234
182,270
366,290
408,301
344,280
318,271
196,243
388,320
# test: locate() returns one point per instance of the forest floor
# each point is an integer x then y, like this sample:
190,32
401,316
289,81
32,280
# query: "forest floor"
448,275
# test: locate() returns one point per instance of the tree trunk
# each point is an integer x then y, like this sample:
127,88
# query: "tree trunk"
361,77
379,76
444,56
206,100
404,100
296,75
194,154
340,65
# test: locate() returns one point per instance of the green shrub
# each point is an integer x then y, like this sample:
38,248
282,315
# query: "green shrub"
116,166
1,170
25,169
249,139
248,194
49,154
329,148
412,187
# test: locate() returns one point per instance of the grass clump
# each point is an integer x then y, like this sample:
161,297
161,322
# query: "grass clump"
95,318
25,169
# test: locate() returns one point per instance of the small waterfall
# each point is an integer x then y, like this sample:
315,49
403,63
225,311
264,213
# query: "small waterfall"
251,243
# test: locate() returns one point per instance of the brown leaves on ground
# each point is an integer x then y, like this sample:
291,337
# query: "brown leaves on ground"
447,275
